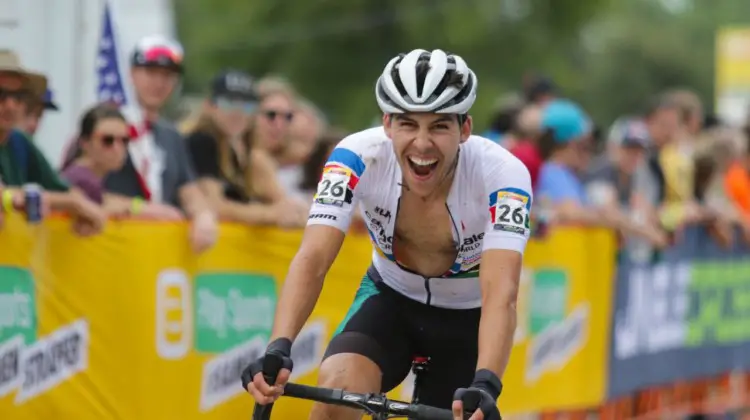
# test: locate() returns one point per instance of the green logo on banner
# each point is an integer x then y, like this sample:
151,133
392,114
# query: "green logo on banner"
232,308
549,299
17,304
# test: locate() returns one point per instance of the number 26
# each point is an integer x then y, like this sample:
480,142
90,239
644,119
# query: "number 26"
335,189
515,214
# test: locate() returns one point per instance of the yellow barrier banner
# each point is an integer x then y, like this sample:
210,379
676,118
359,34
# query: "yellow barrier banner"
131,324
560,352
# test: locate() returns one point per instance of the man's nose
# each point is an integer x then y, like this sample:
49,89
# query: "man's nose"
423,139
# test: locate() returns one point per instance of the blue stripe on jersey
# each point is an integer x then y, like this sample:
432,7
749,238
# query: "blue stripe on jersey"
493,196
349,159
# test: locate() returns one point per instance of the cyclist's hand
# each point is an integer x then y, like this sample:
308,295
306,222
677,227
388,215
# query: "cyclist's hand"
476,401
278,365
480,398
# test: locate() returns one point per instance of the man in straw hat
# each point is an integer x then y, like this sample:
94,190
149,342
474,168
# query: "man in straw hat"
22,163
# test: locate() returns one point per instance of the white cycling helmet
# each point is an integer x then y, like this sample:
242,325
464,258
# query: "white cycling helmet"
399,90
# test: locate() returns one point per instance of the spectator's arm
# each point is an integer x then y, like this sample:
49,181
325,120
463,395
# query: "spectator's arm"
42,173
263,177
193,200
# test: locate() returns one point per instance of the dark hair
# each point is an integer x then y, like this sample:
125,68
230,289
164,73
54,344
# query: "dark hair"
95,114
87,125
313,167
505,121
547,144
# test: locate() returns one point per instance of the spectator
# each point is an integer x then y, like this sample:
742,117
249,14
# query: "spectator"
521,140
21,162
313,168
275,115
307,127
103,137
504,118
158,168
662,120
34,112
238,177
737,180
539,90
609,185
691,110
563,144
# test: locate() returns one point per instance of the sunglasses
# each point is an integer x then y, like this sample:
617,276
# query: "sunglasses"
273,114
225,104
109,140
18,95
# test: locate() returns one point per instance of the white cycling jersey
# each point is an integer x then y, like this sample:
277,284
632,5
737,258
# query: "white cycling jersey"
489,204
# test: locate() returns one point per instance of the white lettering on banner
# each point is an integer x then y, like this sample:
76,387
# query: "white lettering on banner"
307,350
221,375
174,321
655,317
235,312
10,364
553,348
53,359
14,310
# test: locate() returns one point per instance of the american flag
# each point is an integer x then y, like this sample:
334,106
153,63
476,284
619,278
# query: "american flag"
110,83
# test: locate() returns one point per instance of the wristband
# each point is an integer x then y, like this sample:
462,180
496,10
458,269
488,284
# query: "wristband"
282,346
136,206
486,380
7,198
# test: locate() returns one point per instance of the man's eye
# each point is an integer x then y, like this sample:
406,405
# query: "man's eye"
441,127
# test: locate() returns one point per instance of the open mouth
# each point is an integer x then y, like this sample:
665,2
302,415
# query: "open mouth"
422,168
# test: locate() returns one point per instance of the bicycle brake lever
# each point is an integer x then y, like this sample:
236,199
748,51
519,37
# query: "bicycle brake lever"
272,364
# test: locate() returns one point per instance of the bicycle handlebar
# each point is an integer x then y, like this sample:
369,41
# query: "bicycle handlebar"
374,404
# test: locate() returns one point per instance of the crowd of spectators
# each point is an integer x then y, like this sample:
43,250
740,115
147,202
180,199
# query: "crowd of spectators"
253,152
652,174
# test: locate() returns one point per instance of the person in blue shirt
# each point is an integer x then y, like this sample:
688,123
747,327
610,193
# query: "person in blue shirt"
565,146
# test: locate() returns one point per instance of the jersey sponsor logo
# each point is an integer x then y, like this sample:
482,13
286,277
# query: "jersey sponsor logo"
509,210
380,211
472,243
336,186
378,233
323,216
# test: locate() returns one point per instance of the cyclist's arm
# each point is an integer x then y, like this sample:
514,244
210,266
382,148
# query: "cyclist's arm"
304,281
509,189
329,220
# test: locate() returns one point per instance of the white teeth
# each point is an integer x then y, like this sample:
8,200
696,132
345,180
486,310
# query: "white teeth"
422,162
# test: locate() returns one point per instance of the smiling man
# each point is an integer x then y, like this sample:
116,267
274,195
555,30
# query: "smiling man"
438,201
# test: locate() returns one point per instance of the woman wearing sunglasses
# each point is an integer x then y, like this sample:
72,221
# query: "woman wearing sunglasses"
238,176
104,135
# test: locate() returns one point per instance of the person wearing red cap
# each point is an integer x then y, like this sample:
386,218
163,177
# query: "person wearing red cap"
158,170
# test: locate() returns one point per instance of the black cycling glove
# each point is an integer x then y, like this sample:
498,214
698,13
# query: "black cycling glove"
278,356
482,394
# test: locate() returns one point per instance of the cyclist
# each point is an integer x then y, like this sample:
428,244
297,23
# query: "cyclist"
437,201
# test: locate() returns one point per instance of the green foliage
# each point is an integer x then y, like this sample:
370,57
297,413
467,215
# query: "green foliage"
611,55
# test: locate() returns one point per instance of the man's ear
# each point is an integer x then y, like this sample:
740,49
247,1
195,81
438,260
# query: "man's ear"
466,128
387,121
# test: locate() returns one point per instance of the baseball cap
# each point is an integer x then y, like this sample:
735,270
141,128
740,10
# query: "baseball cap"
234,84
49,101
566,120
158,51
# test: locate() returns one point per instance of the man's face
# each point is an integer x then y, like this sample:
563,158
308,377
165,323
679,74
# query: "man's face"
663,125
154,85
12,95
426,146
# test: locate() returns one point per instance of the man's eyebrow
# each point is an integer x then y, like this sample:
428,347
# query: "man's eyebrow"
445,118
